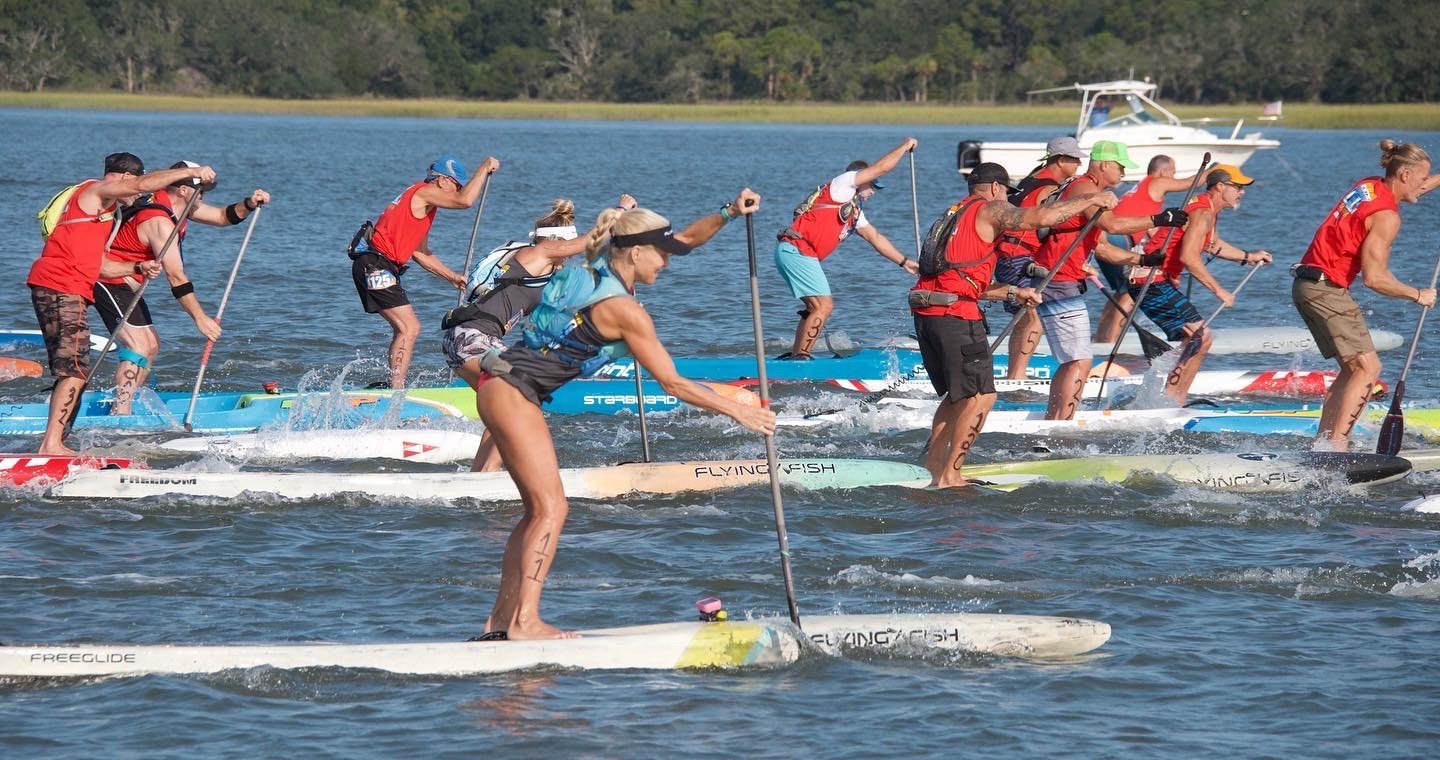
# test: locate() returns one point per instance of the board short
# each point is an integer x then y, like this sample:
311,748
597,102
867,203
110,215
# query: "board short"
113,298
1334,319
1066,320
956,354
1168,307
377,282
65,325
802,273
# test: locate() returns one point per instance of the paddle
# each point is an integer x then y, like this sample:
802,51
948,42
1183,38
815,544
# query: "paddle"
125,317
640,405
219,315
1151,344
914,205
470,249
1060,262
1192,343
1145,288
771,458
1392,430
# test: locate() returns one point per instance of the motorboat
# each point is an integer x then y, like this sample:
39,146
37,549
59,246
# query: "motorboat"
1145,127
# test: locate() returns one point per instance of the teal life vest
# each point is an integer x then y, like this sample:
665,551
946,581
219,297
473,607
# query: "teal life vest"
563,308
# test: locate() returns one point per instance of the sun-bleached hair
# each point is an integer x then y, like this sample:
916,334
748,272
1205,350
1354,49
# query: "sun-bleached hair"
614,221
562,214
1395,156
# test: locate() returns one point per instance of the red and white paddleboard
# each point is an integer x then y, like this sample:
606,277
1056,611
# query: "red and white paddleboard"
20,469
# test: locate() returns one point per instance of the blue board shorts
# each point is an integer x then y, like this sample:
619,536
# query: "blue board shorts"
1010,270
1066,320
802,273
1115,276
1168,307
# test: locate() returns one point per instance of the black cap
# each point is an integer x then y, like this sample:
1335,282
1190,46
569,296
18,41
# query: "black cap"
661,238
205,187
124,163
990,172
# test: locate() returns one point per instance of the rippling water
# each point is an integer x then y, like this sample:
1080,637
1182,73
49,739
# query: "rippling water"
1251,626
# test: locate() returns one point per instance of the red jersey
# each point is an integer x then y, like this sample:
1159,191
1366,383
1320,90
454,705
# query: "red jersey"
1335,249
967,282
1027,242
70,261
1061,235
398,234
1138,202
822,227
1173,266
127,245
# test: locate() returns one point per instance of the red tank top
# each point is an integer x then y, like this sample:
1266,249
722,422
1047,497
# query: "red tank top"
127,245
1335,249
1173,266
1027,242
818,231
70,261
1138,202
969,282
398,234
1054,246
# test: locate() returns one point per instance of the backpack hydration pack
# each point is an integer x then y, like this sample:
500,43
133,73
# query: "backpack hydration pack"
488,278
570,291
937,240
50,215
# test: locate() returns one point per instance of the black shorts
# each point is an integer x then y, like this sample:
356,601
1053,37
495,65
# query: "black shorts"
377,281
956,353
112,299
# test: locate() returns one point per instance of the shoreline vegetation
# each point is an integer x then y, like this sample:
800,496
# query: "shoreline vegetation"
1407,116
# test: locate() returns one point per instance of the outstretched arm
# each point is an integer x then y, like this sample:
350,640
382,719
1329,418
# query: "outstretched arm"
701,230
432,264
887,162
887,249
217,216
440,197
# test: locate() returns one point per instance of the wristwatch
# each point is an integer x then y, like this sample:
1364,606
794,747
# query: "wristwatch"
1010,294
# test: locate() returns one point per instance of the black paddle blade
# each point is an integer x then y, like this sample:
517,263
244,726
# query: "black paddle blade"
1392,430
1151,344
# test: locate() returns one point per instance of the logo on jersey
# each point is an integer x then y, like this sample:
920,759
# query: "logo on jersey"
1363,193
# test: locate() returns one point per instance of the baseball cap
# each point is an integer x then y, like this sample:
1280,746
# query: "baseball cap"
204,187
990,172
661,238
1063,146
856,166
450,166
1227,173
1109,150
124,163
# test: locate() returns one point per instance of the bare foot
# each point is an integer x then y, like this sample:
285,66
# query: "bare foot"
58,451
538,630
958,482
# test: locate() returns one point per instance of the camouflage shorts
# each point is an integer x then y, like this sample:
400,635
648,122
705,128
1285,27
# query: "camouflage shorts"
66,327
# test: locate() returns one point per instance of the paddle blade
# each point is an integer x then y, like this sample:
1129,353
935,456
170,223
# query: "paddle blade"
1151,344
1392,430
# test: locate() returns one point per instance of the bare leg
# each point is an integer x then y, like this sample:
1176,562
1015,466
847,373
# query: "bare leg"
812,325
1024,339
1177,385
1066,388
524,441
487,456
956,426
1111,319
406,326
1346,401
64,405
130,377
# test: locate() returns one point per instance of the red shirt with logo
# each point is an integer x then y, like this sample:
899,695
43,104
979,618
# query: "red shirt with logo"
398,234
1335,249
969,281
829,220
70,261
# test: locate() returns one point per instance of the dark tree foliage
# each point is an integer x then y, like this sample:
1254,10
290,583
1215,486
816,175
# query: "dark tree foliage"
965,51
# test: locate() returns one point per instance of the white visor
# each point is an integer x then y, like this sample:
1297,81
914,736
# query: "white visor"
554,233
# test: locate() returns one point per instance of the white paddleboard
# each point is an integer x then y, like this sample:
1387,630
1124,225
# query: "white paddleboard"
917,414
668,646
417,445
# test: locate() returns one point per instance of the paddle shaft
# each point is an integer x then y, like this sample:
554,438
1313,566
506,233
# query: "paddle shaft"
1060,262
1149,278
1392,430
219,315
771,458
474,233
640,407
914,205
1192,343
129,309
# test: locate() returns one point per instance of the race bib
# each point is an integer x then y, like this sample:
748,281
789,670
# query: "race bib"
379,279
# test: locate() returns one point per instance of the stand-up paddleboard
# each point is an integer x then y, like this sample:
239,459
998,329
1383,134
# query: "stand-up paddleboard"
410,445
1257,472
1253,340
11,368
580,483
230,412
589,396
20,469
915,414
1287,383
1423,421
667,646
34,339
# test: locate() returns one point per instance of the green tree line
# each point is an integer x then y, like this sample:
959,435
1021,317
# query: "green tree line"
953,51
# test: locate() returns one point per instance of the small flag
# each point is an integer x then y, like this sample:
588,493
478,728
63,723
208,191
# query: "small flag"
1271,109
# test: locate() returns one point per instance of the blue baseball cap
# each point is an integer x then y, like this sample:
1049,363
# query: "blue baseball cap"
856,166
450,166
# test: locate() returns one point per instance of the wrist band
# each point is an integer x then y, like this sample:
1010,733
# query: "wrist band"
251,205
725,213
231,215
901,262
182,290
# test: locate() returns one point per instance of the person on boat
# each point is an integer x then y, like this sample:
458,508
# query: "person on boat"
821,223
62,281
1147,198
1355,240
1017,247
381,253
587,317
146,228
1063,314
957,262
1165,302
500,298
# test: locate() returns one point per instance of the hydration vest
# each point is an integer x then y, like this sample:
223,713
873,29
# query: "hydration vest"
937,241
564,307
488,278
